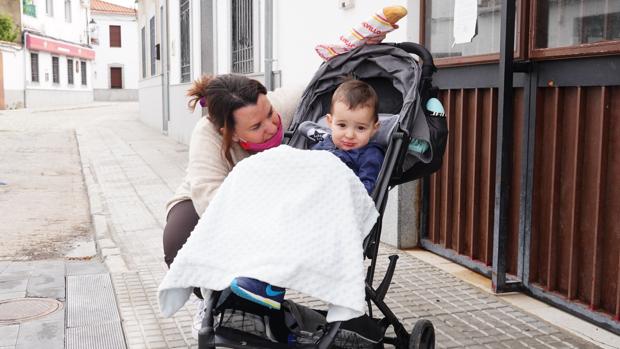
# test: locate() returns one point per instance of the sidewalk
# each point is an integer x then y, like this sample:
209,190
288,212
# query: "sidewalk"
131,170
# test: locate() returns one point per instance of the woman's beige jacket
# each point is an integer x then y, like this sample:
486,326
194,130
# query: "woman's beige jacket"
207,168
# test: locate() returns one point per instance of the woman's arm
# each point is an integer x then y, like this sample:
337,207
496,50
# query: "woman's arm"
206,168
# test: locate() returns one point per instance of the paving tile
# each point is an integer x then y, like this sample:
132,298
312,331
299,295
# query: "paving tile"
8,335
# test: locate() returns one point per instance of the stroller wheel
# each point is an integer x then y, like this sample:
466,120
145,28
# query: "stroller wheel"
422,335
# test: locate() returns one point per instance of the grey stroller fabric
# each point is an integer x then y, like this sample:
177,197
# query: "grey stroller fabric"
369,63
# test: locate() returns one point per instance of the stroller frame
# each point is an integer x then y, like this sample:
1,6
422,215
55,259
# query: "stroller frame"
422,335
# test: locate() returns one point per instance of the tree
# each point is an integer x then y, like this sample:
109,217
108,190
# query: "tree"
8,29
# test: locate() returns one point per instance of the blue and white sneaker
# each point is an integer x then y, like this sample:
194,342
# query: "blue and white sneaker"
258,292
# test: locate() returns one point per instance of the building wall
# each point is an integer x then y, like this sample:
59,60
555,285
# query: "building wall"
178,127
149,97
294,48
45,92
125,57
56,25
13,73
150,85
45,73
37,98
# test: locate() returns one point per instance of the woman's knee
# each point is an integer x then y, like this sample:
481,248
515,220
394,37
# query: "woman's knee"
181,221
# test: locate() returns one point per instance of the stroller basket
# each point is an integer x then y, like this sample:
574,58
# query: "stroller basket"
403,87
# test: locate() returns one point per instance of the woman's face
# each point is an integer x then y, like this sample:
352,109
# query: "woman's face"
256,123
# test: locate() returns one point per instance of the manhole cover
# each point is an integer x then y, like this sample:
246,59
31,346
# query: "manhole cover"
14,311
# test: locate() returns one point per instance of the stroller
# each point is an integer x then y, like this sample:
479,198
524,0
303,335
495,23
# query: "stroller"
403,87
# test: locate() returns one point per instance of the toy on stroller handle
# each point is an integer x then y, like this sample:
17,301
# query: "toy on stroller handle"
402,105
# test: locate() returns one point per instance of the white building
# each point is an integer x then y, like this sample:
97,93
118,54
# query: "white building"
11,75
115,73
57,58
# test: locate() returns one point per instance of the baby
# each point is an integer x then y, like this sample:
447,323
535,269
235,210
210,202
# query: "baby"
353,120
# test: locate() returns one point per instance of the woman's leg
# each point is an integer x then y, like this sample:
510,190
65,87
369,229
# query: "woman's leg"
181,221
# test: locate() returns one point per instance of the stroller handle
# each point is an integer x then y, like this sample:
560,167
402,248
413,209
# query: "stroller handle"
428,67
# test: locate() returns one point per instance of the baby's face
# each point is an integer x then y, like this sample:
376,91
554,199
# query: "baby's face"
351,129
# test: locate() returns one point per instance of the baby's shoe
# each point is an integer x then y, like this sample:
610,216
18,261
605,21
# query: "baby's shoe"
258,292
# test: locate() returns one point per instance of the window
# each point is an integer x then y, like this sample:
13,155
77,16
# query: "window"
68,11
185,46
153,47
55,74
242,37
83,67
34,67
565,24
548,28
116,77
29,8
69,71
440,32
49,7
143,37
115,36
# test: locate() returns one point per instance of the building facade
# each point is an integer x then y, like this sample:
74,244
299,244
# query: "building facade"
57,57
115,71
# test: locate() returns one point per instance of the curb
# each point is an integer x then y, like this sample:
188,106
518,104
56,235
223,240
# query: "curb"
104,244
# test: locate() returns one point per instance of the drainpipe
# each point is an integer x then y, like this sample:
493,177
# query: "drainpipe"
269,45
165,54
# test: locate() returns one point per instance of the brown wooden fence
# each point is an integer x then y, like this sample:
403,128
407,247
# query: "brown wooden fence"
575,215
576,198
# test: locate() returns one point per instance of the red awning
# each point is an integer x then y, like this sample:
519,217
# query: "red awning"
40,43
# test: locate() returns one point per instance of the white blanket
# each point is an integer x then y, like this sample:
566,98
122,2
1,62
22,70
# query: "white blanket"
292,218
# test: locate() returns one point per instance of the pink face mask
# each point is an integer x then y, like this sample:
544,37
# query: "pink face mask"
272,142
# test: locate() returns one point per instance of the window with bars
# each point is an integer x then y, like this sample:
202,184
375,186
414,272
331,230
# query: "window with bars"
68,11
55,72
115,36
185,45
34,67
143,38
242,37
153,46
69,71
83,68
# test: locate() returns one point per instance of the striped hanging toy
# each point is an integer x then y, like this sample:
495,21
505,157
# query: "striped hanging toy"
382,22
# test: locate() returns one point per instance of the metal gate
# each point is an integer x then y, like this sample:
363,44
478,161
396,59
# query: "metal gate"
563,228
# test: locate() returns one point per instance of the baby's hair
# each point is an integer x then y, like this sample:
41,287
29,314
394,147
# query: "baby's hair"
356,94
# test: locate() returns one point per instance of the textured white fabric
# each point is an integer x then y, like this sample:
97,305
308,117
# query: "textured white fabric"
292,218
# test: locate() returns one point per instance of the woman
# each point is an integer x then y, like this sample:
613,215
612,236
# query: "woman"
242,119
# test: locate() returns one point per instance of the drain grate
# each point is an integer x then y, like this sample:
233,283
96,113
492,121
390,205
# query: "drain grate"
14,311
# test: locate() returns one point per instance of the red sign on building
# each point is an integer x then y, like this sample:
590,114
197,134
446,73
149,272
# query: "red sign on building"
39,43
